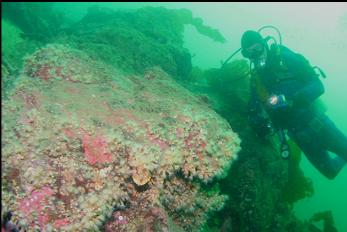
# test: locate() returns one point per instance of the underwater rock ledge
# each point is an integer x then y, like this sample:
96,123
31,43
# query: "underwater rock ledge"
86,147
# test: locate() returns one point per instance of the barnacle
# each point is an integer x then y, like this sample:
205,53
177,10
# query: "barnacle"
141,176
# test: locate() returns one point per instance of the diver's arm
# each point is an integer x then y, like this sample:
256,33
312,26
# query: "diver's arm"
312,86
309,92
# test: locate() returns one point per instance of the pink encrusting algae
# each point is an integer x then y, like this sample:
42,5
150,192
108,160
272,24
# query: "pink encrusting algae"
36,203
157,141
95,149
61,222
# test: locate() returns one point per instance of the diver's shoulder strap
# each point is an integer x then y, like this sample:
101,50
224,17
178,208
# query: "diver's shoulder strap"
277,59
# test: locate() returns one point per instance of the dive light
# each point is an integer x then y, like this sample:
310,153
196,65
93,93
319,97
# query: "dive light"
277,101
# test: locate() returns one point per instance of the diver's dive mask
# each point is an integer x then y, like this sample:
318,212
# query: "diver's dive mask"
257,54
254,51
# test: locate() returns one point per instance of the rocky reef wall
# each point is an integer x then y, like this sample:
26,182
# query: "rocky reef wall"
97,134
86,146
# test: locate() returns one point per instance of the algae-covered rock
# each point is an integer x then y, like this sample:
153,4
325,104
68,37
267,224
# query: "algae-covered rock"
131,41
190,209
13,48
11,41
37,20
78,134
14,44
87,147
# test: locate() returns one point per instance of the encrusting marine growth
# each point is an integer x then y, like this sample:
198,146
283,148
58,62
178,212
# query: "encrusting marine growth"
87,147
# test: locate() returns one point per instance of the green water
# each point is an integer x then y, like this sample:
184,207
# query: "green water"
316,30
320,39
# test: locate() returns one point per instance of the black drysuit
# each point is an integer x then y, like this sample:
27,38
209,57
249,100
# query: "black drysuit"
290,74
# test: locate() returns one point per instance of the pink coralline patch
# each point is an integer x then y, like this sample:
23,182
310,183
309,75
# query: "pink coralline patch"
48,71
183,118
24,119
121,115
61,222
95,149
179,132
27,205
68,132
44,72
194,143
189,140
66,75
129,115
157,141
35,203
203,145
43,220
30,101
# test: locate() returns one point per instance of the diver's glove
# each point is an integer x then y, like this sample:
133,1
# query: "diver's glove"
276,102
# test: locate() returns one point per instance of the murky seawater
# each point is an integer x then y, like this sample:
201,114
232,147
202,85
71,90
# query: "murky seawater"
194,50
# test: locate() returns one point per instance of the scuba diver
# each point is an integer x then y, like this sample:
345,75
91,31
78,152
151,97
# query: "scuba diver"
284,87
